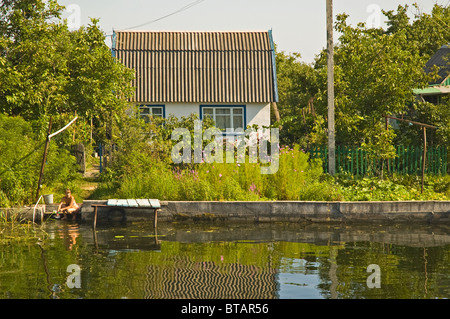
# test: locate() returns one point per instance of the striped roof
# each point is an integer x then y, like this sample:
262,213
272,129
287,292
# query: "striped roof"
190,66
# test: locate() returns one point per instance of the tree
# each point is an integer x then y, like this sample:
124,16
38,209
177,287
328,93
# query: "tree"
427,31
376,73
297,90
34,67
47,70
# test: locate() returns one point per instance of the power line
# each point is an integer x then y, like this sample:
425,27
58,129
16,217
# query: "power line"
186,7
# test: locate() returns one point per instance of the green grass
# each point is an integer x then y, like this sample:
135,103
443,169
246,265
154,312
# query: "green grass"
297,178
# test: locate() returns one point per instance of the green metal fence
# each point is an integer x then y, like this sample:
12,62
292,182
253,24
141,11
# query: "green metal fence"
409,159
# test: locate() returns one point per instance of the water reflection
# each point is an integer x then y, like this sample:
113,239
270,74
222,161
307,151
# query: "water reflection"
264,261
69,232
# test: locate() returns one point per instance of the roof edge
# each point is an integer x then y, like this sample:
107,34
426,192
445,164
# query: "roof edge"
196,31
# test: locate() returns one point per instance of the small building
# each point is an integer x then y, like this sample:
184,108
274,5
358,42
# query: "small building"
227,75
440,86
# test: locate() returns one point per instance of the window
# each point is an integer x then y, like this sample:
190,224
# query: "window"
225,117
148,111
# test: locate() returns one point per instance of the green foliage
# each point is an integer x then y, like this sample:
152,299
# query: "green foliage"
143,167
424,112
21,161
427,31
376,71
47,70
297,86
398,187
375,76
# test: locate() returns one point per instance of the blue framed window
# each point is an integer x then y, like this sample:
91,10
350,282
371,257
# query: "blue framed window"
146,111
225,116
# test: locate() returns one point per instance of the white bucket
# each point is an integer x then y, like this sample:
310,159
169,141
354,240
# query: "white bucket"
48,199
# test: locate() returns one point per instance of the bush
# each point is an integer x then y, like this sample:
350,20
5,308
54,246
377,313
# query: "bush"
20,163
143,168
140,174
397,187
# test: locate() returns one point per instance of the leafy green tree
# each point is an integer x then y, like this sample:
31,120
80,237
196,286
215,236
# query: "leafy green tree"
375,74
427,31
20,161
297,85
47,70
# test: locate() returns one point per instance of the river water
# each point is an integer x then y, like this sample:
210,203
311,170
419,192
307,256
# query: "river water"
218,260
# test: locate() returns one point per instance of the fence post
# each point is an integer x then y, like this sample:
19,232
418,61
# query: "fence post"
446,162
351,159
339,158
444,171
424,154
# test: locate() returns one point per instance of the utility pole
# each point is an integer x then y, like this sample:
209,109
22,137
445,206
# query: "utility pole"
330,76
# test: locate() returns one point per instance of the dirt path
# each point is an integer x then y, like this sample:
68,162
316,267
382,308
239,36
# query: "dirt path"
90,182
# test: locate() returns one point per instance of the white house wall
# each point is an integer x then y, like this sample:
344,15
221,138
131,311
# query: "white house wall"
256,113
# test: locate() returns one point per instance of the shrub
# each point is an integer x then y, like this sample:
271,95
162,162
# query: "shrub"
20,163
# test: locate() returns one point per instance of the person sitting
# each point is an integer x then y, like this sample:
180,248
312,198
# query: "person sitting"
68,205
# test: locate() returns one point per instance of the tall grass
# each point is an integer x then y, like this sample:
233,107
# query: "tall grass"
142,168
296,179
13,229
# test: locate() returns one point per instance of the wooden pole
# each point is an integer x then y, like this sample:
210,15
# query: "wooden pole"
408,121
44,159
276,112
424,154
424,126
95,216
330,77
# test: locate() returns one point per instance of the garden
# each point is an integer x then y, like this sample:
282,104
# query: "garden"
49,73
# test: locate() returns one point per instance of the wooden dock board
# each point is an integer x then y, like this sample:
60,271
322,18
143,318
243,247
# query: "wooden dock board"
136,203
122,203
155,203
132,203
140,202
143,202
112,202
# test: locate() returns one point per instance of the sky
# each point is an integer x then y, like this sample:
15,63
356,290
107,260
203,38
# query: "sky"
297,25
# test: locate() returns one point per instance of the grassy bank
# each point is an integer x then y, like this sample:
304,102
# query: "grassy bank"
297,178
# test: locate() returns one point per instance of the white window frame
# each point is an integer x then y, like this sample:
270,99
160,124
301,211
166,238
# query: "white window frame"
232,115
151,113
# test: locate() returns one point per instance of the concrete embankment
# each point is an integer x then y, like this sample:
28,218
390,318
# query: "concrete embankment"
270,211
293,211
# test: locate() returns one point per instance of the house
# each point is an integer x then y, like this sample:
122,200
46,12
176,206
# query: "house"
227,75
441,86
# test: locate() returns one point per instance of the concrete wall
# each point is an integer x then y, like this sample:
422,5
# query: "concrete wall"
276,211
294,211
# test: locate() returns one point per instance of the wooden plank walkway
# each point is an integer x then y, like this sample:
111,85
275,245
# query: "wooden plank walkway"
130,203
